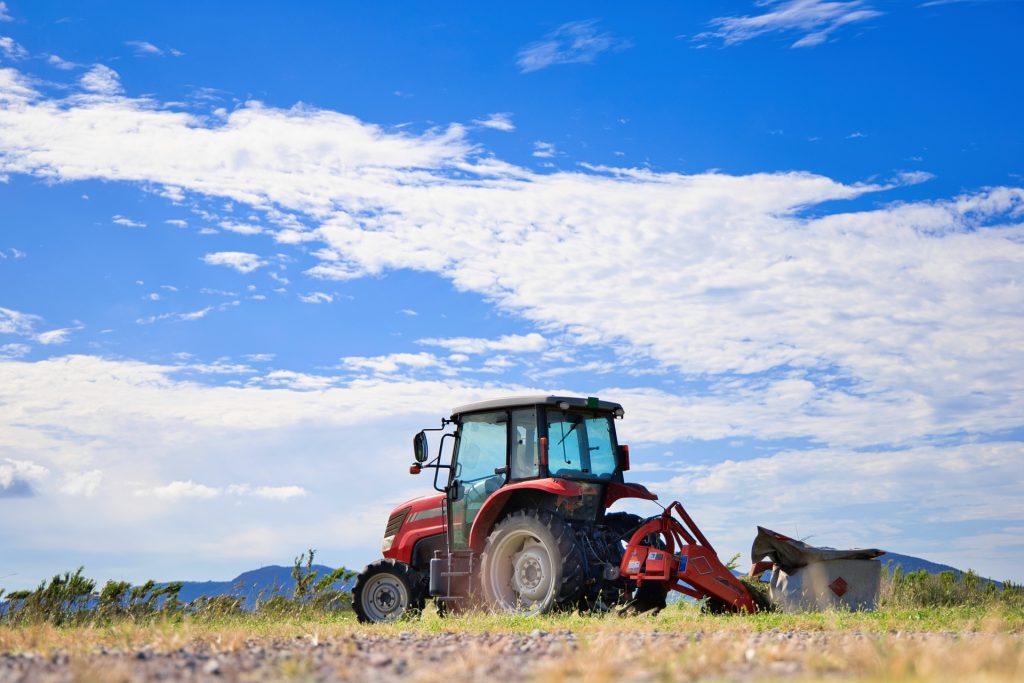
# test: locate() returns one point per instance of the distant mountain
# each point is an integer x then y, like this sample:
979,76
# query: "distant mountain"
272,580
255,584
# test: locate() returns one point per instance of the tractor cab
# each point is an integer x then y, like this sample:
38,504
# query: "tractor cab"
515,441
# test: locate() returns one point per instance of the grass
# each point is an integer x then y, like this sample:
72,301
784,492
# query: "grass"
231,631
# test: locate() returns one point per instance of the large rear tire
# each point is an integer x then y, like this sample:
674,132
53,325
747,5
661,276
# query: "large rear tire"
532,564
387,590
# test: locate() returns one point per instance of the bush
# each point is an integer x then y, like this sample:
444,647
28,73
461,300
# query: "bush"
71,599
946,589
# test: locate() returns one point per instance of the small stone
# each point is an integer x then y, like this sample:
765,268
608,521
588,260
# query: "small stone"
379,659
750,654
212,667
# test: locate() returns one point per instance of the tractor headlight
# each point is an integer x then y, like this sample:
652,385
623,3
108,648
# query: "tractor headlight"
386,544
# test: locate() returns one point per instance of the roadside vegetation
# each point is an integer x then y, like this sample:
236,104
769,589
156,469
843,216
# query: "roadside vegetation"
72,600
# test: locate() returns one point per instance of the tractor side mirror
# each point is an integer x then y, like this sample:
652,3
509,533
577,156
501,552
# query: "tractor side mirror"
420,450
624,457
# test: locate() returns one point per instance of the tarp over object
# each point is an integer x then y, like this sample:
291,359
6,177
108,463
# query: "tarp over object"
808,578
791,554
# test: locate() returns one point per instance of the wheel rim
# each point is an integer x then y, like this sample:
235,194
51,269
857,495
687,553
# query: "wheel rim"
521,575
384,597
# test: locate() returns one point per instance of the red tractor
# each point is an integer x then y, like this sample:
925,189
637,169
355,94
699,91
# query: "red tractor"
520,522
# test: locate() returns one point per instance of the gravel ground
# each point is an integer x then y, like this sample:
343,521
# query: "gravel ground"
536,656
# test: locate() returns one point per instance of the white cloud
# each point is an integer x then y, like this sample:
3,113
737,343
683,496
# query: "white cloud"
500,121
575,42
14,89
108,412
241,261
177,222
52,337
316,298
241,228
178,490
891,325
18,478
409,312
5,13
814,20
101,80
281,493
11,49
392,362
517,343
128,222
543,150
81,483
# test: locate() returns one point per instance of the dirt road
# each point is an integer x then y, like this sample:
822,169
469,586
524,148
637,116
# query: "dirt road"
633,655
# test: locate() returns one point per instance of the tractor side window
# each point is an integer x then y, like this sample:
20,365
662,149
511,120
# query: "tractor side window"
599,441
525,461
481,446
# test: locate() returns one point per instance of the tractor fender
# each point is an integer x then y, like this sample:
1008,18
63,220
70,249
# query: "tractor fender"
493,506
617,491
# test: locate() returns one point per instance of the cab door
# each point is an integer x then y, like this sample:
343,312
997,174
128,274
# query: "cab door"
480,468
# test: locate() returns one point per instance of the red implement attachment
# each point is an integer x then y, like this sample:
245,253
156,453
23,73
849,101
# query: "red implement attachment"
670,549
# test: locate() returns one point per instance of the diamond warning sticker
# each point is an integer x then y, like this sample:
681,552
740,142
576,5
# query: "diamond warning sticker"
839,586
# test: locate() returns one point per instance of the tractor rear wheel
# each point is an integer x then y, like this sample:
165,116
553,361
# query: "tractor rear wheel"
386,590
532,564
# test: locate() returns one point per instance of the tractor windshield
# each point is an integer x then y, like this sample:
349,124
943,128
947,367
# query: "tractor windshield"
580,446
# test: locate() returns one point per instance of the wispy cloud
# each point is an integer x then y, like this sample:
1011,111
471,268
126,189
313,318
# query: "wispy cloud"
316,298
242,261
500,121
144,48
128,222
11,49
4,13
188,316
575,42
183,490
53,337
543,150
813,20
519,343
63,64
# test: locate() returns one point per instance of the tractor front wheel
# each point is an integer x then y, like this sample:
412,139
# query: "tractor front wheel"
385,590
531,564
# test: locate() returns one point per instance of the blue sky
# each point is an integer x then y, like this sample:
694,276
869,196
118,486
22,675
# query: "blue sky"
247,250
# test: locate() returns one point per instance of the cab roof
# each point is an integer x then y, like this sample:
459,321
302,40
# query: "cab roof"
539,399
